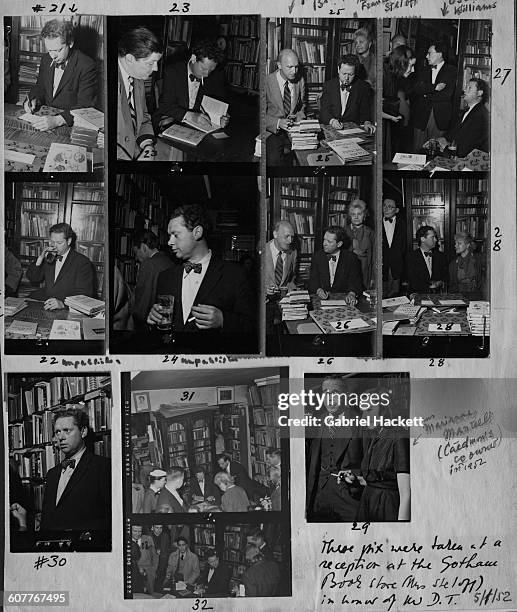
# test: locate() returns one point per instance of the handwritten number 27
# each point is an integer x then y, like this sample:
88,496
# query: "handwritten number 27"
499,74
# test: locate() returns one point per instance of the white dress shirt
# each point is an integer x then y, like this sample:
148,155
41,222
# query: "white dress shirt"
389,228
435,71
332,267
58,75
468,111
210,574
428,262
125,78
60,264
67,474
344,98
193,87
190,285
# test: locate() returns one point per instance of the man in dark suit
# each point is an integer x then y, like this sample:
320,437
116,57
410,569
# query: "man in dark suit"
202,488
64,271
285,104
78,490
152,262
256,536
67,78
347,98
426,267
169,499
162,545
185,84
139,52
211,296
216,575
254,490
393,248
262,578
434,97
335,269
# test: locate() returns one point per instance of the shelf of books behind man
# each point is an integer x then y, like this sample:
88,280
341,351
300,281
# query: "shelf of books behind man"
476,56
31,404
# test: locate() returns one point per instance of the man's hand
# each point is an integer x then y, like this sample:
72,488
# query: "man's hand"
322,294
225,121
47,123
164,123
207,317
369,127
155,315
336,124
19,513
285,124
53,304
272,290
440,87
199,120
30,106
442,142
350,299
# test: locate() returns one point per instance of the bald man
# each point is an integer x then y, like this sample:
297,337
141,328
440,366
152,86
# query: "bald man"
285,104
281,259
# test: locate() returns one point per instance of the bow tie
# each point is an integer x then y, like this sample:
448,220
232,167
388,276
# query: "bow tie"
428,254
331,257
194,78
189,266
59,258
347,87
434,67
67,463
389,219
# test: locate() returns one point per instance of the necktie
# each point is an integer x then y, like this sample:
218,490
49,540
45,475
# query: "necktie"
131,102
287,99
279,269
194,78
68,463
388,219
189,266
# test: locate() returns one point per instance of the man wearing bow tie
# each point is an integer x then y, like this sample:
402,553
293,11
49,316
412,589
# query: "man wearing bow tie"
347,98
67,78
64,271
393,248
211,296
78,490
434,96
427,268
335,269
185,84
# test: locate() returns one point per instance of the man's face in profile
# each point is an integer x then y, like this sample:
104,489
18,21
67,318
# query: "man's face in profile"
143,67
201,68
57,49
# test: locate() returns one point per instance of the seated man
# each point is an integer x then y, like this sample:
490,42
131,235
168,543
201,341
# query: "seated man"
347,98
183,564
139,52
216,575
202,488
65,271
281,259
285,104
67,78
334,269
211,296
185,84
426,268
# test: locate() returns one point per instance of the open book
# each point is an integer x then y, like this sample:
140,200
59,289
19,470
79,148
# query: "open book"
215,109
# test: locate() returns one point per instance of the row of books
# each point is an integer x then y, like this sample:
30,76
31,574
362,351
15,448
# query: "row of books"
433,221
266,416
178,459
475,226
472,210
475,73
342,196
201,433
33,43
91,228
298,190
176,437
306,244
99,412
268,388
338,219
470,185
303,224
265,438
478,29
23,93
36,429
31,248
244,50
36,464
243,75
477,48
103,447
128,270
478,62
36,225
44,192
245,25
232,539
287,204
310,52
179,29
203,458
204,536
315,74
94,252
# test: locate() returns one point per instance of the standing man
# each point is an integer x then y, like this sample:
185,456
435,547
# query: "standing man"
393,248
262,577
162,545
156,484
143,550
254,489
152,262
78,490
347,98
427,268
334,269
67,78
185,84
434,97
139,52
281,259
169,495
285,104
67,273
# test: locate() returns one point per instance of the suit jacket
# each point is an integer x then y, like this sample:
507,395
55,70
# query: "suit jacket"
150,501
417,273
128,140
174,99
358,106
393,256
275,102
76,277
235,499
427,99
148,559
78,87
86,501
146,281
167,498
220,582
224,286
261,579
290,268
190,566
211,490
473,133
347,278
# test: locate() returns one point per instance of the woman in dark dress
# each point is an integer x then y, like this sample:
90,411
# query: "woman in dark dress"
466,270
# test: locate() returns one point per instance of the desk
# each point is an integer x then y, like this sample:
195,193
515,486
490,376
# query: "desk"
37,143
330,133
477,161
16,344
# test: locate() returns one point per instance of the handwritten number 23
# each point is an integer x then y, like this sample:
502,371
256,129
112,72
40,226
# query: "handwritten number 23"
175,8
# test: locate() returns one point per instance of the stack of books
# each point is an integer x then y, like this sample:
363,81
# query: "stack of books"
304,134
88,128
13,306
294,305
478,316
84,304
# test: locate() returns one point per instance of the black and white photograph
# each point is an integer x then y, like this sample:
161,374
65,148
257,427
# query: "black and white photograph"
320,92
435,267
188,88
320,266
54,267
185,264
59,433
357,470
54,93
436,94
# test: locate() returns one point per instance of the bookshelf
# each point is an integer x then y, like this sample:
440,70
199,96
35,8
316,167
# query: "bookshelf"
427,204
32,208
27,49
31,404
475,57
243,53
311,204
470,213
232,420
202,539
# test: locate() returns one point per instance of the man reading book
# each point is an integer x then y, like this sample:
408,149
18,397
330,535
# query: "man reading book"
64,271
